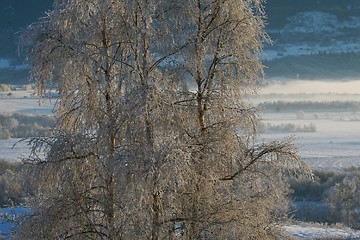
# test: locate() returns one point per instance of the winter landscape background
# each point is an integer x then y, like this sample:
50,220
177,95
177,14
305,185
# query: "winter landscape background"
311,90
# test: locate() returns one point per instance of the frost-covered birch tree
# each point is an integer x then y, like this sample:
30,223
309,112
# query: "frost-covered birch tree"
155,138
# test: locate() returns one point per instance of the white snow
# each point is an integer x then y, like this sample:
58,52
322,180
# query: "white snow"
25,102
334,145
14,149
308,90
312,87
336,142
25,105
21,102
313,232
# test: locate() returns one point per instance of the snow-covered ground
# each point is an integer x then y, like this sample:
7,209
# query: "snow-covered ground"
14,149
24,102
303,231
25,105
334,145
308,90
278,86
336,142
21,102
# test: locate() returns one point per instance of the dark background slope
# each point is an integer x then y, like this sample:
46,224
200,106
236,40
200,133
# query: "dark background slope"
306,43
15,15
279,10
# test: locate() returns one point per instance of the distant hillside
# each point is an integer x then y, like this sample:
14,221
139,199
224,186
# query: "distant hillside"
300,30
323,66
14,16
313,39
279,11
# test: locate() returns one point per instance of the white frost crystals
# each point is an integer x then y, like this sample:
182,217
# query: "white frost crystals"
138,155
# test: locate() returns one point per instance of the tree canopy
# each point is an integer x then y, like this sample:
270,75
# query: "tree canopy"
155,138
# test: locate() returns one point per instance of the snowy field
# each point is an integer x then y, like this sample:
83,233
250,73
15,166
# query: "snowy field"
25,105
331,88
308,90
14,149
303,231
24,102
334,145
21,102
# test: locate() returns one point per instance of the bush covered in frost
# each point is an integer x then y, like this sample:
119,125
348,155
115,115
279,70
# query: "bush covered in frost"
332,197
19,125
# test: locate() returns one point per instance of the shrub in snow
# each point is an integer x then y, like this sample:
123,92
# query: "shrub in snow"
5,88
300,115
22,125
4,133
344,198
